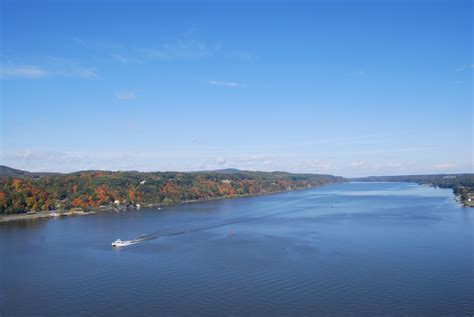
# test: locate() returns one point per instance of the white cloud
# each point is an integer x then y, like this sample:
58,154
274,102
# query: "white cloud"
444,166
79,72
230,84
23,71
25,154
120,58
47,67
175,157
313,166
181,49
343,140
125,59
358,163
125,95
268,162
395,166
71,161
186,45
220,161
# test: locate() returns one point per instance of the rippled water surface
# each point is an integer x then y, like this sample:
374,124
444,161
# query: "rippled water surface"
360,248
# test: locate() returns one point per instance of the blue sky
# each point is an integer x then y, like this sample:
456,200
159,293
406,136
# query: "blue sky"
345,87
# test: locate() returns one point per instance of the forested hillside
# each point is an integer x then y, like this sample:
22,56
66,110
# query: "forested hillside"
87,190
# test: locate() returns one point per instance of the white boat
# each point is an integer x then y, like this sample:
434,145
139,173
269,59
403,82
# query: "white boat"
119,243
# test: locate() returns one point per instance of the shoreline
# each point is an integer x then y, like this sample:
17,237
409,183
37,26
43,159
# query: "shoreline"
120,208
45,215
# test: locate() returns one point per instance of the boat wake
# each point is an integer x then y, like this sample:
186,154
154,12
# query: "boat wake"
197,227
192,228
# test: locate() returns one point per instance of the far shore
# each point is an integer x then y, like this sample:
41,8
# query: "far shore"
119,208
44,214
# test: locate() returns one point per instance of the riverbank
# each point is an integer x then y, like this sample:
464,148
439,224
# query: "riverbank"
45,214
461,184
119,208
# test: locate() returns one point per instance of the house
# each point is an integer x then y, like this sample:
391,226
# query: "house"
226,181
117,202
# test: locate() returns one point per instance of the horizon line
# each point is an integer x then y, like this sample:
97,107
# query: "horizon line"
228,168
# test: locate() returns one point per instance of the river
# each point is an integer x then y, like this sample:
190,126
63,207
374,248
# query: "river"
353,248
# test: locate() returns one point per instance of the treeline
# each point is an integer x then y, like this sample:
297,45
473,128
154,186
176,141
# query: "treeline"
93,189
461,184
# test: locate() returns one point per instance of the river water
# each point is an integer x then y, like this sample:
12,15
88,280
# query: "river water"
354,248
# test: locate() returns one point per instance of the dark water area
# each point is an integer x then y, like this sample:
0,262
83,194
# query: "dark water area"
356,248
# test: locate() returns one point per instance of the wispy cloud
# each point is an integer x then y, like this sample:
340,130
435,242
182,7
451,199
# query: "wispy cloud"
394,165
445,166
69,161
181,49
125,95
174,159
46,67
465,67
313,166
184,46
125,59
246,162
230,84
220,160
78,72
358,163
22,71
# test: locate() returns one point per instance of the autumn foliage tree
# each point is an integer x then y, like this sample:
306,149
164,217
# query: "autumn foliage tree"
89,190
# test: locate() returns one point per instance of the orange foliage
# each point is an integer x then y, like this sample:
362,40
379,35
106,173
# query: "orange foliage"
77,202
16,184
131,193
103,195
170,189
226,189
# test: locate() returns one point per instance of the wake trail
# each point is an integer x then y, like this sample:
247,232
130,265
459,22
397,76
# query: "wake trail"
192,228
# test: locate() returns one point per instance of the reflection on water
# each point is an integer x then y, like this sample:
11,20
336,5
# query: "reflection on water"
360,248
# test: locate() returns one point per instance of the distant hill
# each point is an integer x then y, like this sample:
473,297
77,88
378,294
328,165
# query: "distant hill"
227,171
8,171
461,184
423,178
13,172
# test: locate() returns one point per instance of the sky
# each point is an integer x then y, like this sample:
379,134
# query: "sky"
350,88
